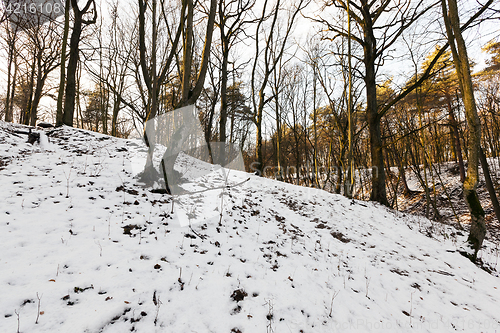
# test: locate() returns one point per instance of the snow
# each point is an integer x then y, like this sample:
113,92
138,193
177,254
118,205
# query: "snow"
282,259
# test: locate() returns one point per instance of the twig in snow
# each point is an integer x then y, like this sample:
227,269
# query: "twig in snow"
100,248
18,321
411,306
180,280
496,261
335,293
367,285
38,308
85,166
67,181
123,203
109,224
194,232
221,207
157,303
269,317
220,187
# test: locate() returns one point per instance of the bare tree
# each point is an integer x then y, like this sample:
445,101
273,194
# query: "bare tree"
153,80
116,50
45,43
149,68
208,102
380,26
62,75
190,91
276,42
78,24
10,38
231,22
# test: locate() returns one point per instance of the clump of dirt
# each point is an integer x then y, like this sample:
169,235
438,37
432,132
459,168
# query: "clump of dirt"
340,236
80,290
236,310
400,272
3,163
129,191
238,295
128,228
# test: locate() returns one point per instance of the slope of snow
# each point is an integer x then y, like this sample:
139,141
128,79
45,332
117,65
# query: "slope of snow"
85,248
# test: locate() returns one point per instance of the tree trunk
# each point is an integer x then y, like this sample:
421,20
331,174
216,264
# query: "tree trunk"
69,102
104,108
223,96
114,118
278,136
36,98
456,138
9,113
11,85
187,55
378,172
190,95
258,144
461,60
62,79
27,111
399,162
223,87
489,184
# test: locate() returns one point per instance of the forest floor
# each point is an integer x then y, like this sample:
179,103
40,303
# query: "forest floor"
446,191
87,248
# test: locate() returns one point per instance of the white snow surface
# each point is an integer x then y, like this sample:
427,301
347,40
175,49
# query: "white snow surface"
282,259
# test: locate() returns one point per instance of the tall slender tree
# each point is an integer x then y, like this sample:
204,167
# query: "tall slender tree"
62,75
461,60
78,25
11,39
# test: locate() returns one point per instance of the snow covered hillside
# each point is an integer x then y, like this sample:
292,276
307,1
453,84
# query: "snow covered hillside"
85,248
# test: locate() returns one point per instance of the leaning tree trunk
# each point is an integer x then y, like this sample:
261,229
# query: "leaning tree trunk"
461,60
